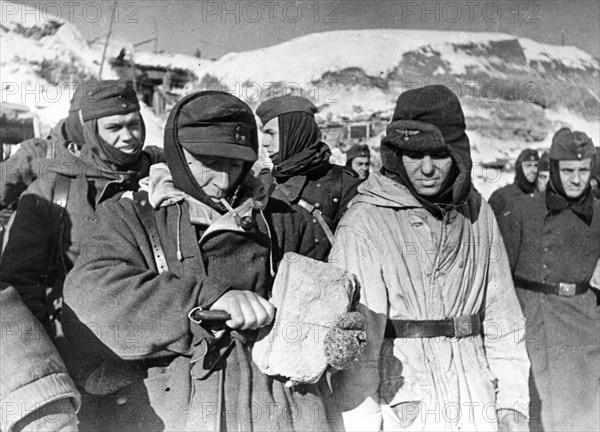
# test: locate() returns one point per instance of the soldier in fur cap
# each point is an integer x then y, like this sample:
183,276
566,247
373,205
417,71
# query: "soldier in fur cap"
553,244
436,288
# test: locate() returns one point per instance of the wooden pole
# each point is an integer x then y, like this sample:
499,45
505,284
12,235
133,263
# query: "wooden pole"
112,18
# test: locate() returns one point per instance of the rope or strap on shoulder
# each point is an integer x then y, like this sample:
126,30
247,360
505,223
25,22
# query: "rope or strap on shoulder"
146,214
60,198
59,201
319,217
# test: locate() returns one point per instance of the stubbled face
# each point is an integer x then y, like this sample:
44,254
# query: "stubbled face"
215,175
542,180
270,138
574,176
122,131
427,171
362,165
530,169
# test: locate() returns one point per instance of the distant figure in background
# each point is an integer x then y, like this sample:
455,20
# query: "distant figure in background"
595,180
304,178
358,158
553,245
543,172
526,170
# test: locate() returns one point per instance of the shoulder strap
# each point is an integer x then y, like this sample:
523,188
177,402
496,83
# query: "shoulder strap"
51,148
59,201
61,193
338,172
146,214
57,255
319,217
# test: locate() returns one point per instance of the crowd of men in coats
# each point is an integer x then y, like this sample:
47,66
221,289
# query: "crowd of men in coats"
477,316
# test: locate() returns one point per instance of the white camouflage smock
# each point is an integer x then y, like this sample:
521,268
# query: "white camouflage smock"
414,266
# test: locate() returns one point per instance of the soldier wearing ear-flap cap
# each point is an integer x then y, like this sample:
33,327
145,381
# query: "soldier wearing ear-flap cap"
553,244
435,281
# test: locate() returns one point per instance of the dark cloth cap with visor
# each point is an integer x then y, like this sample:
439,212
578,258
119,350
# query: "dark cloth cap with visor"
217,124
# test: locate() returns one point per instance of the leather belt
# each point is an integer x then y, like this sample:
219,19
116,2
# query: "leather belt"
461,326
562,289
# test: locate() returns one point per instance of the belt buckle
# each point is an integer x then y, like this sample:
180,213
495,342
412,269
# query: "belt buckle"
566,289
463,326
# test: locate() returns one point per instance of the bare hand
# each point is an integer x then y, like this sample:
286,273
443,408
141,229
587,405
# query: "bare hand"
248,310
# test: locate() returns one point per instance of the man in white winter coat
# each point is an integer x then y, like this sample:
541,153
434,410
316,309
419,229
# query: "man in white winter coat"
445,329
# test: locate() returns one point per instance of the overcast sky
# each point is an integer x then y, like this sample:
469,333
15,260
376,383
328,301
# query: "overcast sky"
218,27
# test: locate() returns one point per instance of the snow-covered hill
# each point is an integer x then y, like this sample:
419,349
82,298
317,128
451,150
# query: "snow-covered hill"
515,92
383,55
39,51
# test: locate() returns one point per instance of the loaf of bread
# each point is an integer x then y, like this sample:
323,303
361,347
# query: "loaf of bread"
309,296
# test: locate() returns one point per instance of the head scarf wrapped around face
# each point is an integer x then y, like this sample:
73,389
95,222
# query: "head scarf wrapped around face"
300,147
105,99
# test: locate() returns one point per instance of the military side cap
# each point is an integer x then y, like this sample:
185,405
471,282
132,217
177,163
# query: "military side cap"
358,151
571,145
214,123
277,106
107,98
78,97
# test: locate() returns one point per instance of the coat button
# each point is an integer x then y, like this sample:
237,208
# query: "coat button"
314,220
318,185
546,249
317,241
317,205
122,400
335,200
545,266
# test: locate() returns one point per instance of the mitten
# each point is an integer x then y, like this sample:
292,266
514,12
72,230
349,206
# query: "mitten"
345,340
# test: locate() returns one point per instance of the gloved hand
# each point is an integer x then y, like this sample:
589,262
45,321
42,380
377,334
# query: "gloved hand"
345,341
512,421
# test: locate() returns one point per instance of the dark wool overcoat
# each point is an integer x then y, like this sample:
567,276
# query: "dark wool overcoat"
144,365
563,333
